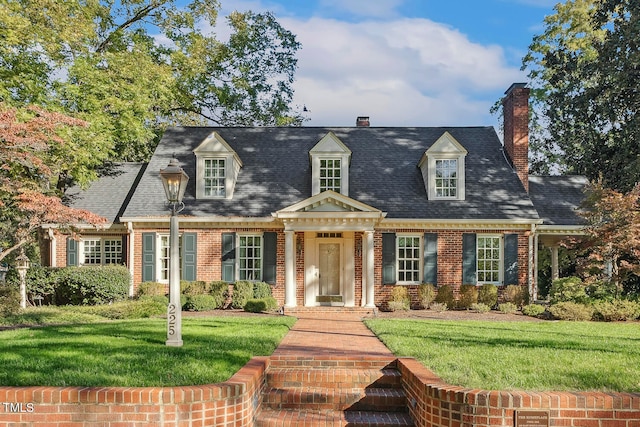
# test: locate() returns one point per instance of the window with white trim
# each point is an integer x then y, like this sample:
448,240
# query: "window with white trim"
409,258
101,251
250,257
330,175
214,178
446,180
489,258
164,257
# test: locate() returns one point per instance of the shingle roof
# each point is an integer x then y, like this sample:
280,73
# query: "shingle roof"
557,198
109,194
276,172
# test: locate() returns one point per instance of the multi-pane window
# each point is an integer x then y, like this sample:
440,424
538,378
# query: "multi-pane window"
101,251
409,258
214,178
250,257
489,255
446,178
330,177
164,258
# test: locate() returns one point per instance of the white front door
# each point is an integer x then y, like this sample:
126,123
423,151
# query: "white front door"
329,268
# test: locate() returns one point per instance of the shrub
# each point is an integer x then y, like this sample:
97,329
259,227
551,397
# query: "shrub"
507,308
258,305
569,310
9,300
133,309
617,310
533,310
568,289
479,307
426,294
42,281
438,307
602,290
445,296
220,291
148,289
261,290
198,287
488,294
200,303
242,292
518,295
468,296
399,299
92,285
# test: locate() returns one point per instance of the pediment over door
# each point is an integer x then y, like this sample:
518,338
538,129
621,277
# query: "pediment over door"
329,211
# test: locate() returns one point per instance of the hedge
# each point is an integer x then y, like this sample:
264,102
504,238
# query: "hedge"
92,285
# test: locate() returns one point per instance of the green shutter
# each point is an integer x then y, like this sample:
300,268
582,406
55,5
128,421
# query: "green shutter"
228,257
388,258
469,264
72,252
269,257
430,256
189,256
511,259
148,257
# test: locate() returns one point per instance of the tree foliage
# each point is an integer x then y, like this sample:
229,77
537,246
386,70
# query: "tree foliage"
612,241
28,168
585,91
130,67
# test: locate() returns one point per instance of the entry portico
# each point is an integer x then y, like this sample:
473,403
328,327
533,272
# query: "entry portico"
326,226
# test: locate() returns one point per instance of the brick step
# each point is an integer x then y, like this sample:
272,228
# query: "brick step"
283,418
340,378
333,363
323,399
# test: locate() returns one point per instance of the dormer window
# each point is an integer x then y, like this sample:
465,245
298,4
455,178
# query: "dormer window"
217,168
330,165
442,167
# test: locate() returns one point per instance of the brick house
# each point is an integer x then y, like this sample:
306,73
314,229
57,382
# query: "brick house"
334,215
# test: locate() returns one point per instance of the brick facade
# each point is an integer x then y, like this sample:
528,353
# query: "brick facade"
516,130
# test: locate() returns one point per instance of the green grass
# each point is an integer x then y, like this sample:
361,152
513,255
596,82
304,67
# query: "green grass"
132,353
534,356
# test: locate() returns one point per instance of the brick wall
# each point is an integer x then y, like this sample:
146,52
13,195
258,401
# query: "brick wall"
229,404
516,130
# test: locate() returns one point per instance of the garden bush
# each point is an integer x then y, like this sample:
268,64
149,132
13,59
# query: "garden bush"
445,296
438,307
507,308
426,294
617,310
533,310
568,289
258,305
220,291
479,307
9,300
242,292
399,299
516,294
198,287
92,285
147,289
569,310
200,303
42,282
468,296
488,294
261,290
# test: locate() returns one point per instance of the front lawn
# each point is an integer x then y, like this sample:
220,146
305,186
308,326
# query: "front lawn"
132,353
535,356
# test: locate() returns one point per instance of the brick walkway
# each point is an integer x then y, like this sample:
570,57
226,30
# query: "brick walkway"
327,334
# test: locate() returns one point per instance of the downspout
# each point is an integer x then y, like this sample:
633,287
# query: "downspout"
130,258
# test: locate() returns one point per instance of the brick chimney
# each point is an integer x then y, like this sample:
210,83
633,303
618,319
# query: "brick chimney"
516,129
362,122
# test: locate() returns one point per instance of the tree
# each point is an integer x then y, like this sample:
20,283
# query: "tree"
585,91
26,201
131,67
612,241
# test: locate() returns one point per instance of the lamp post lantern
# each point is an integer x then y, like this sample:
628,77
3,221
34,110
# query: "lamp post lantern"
22,265
174,180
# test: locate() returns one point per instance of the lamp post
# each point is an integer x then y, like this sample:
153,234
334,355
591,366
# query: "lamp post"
174,180
22,265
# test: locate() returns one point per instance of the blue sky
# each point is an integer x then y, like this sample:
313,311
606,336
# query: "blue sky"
405,62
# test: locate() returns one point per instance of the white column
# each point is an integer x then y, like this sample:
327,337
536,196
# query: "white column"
370,268
290,269
54,248
554,263
174,311
130,256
